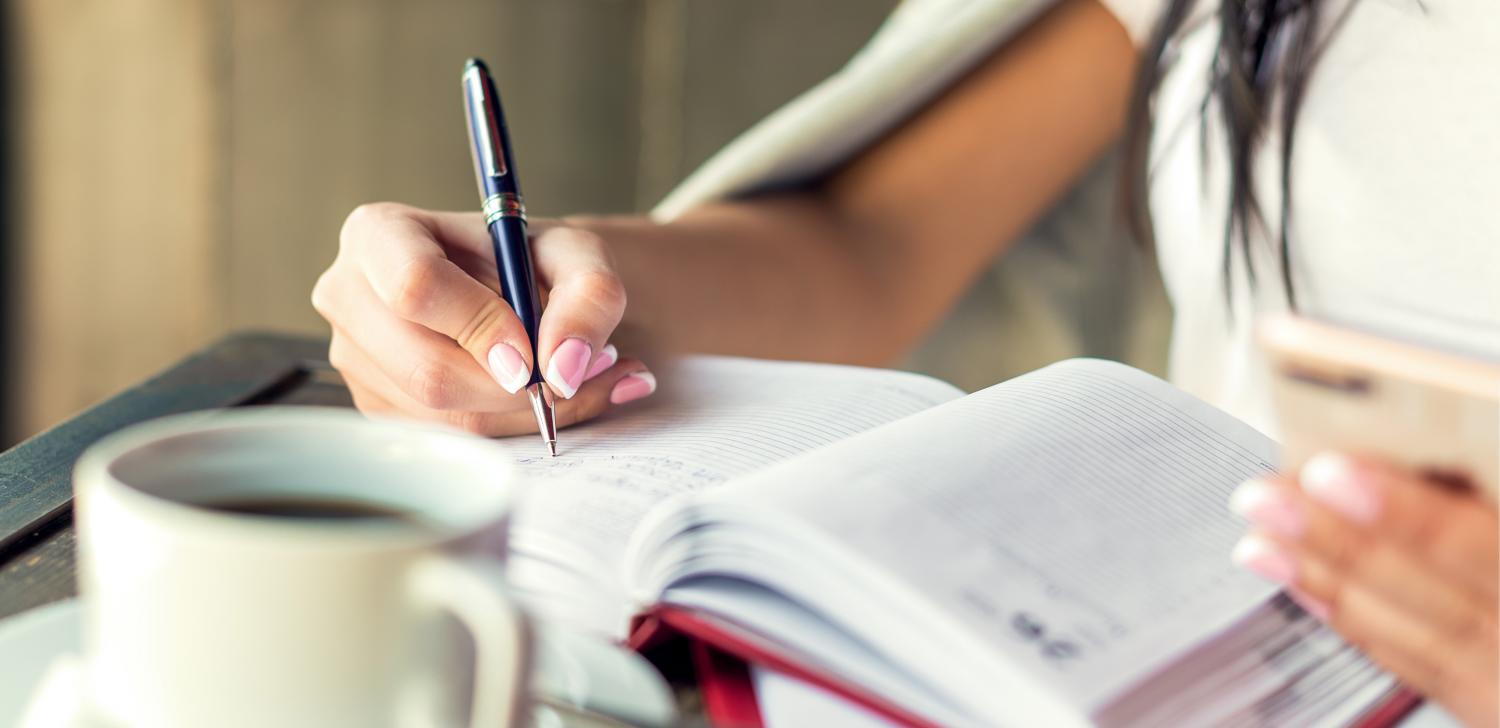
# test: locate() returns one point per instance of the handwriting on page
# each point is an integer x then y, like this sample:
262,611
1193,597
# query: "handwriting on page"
715,419
655,476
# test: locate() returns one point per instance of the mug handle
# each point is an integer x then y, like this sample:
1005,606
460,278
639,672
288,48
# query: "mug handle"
473,590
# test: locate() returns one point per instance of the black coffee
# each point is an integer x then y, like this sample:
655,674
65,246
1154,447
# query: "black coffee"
309,509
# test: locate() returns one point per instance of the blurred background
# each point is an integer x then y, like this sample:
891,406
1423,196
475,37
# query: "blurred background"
174,170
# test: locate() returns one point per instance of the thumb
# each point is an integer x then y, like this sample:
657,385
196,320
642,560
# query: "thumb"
432,291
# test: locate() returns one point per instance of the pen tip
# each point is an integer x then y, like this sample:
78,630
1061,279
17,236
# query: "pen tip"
546,424
475,63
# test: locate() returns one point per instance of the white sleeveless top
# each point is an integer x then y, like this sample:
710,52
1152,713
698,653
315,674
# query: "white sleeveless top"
1395,183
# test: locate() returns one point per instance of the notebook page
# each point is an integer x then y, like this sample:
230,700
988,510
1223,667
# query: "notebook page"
1072,519
714,419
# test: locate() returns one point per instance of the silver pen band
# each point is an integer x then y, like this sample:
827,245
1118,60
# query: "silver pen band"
505,204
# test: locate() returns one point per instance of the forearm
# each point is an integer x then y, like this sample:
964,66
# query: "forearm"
779,277
860,268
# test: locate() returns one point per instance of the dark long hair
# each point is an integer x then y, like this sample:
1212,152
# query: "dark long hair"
1266,51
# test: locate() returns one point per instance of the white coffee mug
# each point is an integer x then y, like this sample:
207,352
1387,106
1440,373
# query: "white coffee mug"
211,602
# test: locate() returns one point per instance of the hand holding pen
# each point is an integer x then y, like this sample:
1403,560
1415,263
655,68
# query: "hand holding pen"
419,329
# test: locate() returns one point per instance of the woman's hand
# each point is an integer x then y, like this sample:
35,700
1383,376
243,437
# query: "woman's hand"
420,329
1403,566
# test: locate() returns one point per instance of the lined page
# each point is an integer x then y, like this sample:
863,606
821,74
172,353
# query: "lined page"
1072,520
714,419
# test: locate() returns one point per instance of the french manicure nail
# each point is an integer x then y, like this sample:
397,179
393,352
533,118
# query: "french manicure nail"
1335,481
632,387
1264,558
1268,507
508,368
606,359
569,364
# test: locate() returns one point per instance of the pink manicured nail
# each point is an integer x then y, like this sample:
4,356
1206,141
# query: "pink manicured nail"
606,359
1335,481
632,387
1318,608
1264,558
570,361
508,368
1268,507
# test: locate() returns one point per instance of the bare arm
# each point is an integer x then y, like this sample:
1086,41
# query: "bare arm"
860,268
853,271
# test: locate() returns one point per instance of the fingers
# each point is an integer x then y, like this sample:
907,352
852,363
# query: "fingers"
434,270
635,384
416,292
1349,511
628,377
1400,585
427,367
367,401
605,359
585,303
374,393
1452,533
397,250
1403,568
1456,671
1457,534
1325,549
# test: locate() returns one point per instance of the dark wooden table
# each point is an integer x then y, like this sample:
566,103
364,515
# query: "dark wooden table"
36,490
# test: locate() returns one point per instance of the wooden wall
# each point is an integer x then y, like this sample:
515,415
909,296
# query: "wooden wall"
185,164
8,274
119,136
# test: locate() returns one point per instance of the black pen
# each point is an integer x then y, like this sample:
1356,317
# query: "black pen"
505,214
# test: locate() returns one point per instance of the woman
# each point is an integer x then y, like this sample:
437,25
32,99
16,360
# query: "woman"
1333,156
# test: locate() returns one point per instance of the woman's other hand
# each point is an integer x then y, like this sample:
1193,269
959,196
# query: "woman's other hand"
420,329
1403,566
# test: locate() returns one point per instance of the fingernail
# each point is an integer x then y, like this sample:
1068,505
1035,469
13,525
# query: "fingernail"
632,387
1268,507
1336,482
1318,608
606,359
570,361
508,368
1264,558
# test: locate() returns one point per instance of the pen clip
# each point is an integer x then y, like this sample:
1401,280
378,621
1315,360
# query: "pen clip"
479,92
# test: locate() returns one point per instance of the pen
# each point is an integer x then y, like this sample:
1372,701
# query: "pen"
505,214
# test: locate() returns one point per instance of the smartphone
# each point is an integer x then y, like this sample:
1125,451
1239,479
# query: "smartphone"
1339,389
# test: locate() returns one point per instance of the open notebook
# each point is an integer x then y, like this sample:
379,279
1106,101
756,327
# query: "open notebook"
1053,549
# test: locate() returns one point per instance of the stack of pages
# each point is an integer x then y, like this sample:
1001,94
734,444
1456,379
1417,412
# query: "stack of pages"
1053,550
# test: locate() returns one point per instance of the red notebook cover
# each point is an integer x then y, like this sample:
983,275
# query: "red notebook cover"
727,689
722,653
721,641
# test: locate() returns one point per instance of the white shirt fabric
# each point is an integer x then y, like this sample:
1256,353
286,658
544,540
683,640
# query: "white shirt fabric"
1395,192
